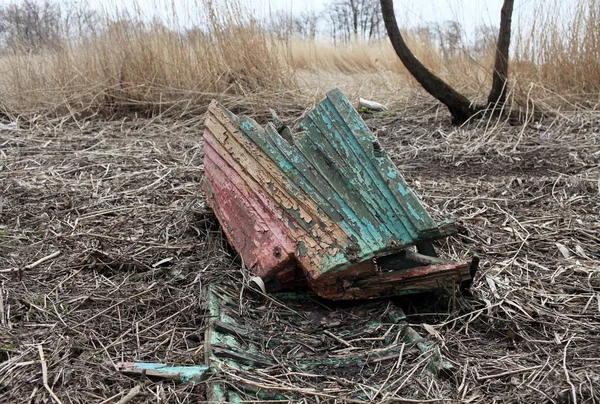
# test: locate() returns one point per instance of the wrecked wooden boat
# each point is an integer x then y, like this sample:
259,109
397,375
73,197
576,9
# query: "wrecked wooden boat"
323,207
239,349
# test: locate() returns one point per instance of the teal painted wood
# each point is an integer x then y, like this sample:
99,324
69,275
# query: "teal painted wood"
184,374
326,202
337,163
286,193
384,174
331,137
300,170
256,134
338,186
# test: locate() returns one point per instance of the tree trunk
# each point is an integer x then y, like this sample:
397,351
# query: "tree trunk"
497,95
459,106
354,7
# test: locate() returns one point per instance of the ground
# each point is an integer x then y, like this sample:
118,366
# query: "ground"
116,209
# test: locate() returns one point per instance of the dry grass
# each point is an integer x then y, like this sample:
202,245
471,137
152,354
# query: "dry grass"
555,60
149,69
377,57
561,50
106,246
121,203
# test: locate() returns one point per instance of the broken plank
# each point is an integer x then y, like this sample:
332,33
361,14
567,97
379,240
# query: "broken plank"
180,374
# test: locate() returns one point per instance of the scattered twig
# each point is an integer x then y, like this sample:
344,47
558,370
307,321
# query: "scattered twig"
567,376
130,395
45,374
102,207
508,373
42,260
338,339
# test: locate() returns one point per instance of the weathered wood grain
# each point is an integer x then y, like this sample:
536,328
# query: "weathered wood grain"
328,201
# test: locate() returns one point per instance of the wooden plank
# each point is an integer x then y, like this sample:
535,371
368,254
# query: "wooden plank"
359,173
300,171
336,185
245,154
367,161
327,203
341,178
259,232
317,241
321,237
413,280
404,196
180,374
318,219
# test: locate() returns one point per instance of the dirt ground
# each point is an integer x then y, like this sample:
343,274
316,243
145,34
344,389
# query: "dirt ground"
106,251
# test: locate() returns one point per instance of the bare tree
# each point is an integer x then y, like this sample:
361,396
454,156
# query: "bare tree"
485,39
305,24
280,23
460,107
354,19
30,25
498,94
450,35
79,21
426,34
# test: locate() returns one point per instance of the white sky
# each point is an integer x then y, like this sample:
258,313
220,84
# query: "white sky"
469,13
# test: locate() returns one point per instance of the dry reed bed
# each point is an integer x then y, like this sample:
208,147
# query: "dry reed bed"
105,248
135,66
130,66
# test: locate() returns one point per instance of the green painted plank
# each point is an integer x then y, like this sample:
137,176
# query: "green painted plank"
351,178
300,171
260,138
245,153
396,184
263,139
182,374
303,172
348,175
366,175
367,223
386,201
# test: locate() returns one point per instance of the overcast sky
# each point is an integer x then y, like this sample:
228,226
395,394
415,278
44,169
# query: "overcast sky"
468,12
409,12
412,12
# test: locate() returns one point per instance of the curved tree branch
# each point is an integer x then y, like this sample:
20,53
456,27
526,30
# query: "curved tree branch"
497,95
459,106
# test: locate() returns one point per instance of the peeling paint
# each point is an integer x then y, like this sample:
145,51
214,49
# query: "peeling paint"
328,201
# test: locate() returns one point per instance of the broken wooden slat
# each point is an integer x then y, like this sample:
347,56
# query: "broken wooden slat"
226,343
437,364
327,203
180,374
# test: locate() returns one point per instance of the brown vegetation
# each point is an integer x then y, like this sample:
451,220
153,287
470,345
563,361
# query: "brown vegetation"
117,64
120,202
107,248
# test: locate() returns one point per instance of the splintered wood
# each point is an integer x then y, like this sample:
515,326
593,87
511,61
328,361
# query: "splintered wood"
324,207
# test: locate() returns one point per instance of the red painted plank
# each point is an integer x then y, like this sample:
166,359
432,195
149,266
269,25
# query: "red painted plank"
254,228
283,235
